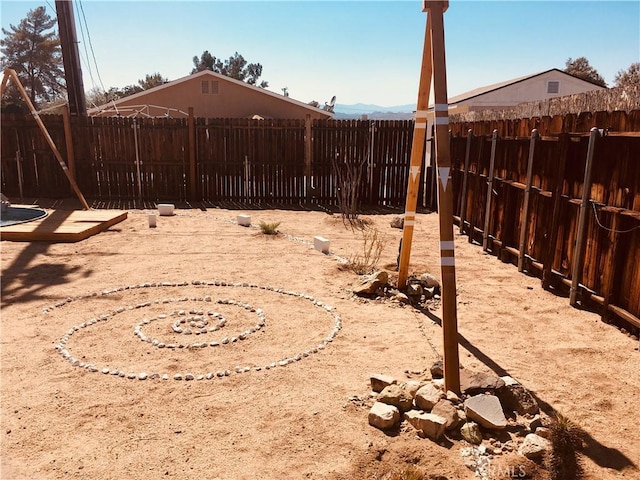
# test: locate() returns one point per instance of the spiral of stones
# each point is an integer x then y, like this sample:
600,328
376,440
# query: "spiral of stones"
198,320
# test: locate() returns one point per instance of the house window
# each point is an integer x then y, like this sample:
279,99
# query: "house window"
553,86
214,90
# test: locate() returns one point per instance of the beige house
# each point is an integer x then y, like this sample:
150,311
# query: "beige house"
530,88
211,95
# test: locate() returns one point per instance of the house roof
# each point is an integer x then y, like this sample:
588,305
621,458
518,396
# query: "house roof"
497,86
217,76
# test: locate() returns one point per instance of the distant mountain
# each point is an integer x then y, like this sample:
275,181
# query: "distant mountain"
373,112
369,108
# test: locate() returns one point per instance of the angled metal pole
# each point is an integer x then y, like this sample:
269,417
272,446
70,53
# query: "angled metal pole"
417,152
451,359
525,204
578,253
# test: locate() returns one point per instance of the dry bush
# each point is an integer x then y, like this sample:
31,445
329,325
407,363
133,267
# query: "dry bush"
269,228
348,175
407,473
366,262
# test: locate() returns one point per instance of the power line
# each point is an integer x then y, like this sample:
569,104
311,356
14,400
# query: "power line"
91,45
86,55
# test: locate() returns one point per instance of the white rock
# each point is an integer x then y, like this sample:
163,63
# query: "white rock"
433,426
427,396
383,416
534,446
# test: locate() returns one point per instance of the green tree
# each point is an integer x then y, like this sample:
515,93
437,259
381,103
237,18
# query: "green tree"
235,67
96,96
33,50
580,68
629,77
151,81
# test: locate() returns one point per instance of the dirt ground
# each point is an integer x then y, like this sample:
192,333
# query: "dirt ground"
301,410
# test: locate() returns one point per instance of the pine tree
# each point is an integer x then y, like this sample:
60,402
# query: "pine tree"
33,50
235,67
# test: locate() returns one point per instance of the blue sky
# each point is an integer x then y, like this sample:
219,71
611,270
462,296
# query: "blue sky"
364,51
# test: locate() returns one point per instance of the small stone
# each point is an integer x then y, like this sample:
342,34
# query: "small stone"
427,396
383,416
437,369
477,382
486,410
142,376
379,382
396,396
433,426
534,446
446,410
189,376
470,431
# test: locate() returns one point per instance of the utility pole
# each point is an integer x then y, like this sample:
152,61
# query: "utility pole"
71,58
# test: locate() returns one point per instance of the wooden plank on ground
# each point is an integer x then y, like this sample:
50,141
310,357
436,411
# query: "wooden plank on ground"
63,226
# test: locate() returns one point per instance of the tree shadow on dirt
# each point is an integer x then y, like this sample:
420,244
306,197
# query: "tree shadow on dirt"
25,279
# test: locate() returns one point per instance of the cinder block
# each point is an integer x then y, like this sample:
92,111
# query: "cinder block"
321,244
244,220
165,209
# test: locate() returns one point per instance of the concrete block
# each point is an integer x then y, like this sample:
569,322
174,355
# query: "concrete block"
244,220
321,244
165,209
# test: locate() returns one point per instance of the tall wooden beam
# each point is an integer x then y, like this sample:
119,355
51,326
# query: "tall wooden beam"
10,73
451,360
417,153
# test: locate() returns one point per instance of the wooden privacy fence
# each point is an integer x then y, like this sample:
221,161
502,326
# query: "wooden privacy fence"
197,159
565,206
529,199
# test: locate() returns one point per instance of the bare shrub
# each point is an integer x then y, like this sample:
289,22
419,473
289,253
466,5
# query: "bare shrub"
348,176
366,262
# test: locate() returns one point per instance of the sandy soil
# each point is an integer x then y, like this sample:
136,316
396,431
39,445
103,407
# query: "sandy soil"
307,419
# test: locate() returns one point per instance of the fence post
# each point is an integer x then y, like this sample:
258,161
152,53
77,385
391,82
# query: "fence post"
525,204
307,154
463,206
71,161
193,186
578,256
135,143
487,212
547,269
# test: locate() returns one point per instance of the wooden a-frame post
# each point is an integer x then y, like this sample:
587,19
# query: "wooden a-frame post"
11,74
434,65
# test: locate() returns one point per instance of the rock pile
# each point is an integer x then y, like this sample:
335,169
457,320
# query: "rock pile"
419,289
495,415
